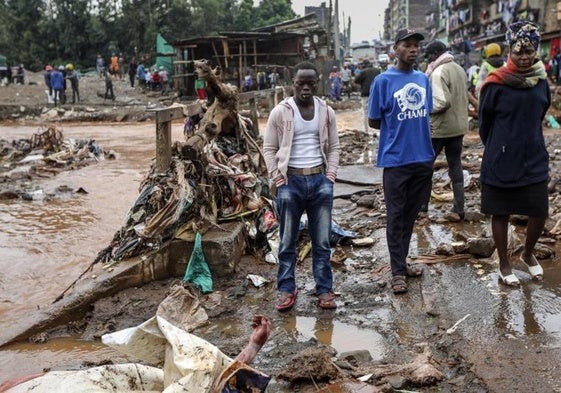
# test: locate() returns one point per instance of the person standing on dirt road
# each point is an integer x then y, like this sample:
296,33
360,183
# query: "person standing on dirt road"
515,168
47,78
108,86
72,76
336,84
164,79
301,150
141,75
133,66
365,78
399,105
346,75
449,117
114,65
57,83
99,65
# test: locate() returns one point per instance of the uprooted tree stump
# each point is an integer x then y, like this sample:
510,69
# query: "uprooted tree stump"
221,117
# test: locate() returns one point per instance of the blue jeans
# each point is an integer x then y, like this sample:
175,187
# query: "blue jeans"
312,194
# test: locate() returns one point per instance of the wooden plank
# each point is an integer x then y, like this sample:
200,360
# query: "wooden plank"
168,114
163,146
164,118
247,95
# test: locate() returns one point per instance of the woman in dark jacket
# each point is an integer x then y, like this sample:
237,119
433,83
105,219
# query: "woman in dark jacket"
515,168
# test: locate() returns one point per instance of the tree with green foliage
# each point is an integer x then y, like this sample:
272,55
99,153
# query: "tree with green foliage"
23,31
271,12
37,32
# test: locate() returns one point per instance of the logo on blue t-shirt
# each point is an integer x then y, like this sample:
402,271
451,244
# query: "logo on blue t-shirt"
411,100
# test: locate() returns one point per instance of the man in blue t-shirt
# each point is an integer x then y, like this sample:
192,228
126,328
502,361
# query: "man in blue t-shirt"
399,105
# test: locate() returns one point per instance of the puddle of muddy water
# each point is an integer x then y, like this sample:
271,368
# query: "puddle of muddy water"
531,311
341,336
46,244
23,359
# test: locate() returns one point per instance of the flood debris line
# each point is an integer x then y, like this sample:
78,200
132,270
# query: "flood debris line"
45,154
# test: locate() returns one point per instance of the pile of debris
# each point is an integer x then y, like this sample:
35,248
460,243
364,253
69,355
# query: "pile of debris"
217,174
45,154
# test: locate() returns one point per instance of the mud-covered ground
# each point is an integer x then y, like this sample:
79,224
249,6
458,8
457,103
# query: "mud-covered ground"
28,103
406,339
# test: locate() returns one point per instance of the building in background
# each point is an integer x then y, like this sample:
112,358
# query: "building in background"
468,25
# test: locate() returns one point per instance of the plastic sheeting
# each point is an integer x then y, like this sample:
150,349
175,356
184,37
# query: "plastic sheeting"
190,364
197,270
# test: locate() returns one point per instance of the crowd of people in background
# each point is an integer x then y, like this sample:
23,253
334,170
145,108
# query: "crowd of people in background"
59,78
341,81
264,78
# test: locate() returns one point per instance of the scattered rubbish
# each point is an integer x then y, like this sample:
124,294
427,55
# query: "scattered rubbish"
340,235
270,257
365,378
363,242
31,158
45,154
173,358
256,280
455,326
217,174
197,270
552,122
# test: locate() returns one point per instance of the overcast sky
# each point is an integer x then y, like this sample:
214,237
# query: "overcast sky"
367,16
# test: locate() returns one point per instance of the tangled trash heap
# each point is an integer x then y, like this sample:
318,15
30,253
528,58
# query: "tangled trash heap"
217,174
46,153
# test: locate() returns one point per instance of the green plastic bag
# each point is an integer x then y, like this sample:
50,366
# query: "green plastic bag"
197,271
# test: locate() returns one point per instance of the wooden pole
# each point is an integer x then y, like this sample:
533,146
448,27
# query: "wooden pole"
164,118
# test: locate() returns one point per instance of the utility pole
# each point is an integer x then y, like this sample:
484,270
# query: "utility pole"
337,46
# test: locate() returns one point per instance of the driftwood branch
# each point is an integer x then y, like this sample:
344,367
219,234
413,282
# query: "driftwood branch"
221,117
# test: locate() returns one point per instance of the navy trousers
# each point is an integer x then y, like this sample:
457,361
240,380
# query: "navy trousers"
405,190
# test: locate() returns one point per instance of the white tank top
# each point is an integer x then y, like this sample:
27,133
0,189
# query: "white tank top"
306,150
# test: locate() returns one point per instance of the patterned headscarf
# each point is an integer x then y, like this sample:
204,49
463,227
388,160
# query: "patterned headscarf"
523,33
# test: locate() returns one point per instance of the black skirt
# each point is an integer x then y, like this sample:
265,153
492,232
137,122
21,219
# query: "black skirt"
531,200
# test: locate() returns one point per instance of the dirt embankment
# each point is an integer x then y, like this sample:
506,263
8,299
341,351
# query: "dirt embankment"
29,102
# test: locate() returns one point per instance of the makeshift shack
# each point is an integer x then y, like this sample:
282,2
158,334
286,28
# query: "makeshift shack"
265,48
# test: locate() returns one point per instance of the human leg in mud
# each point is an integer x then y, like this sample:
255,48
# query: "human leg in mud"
314,195
56,96
499,228
289,211
402,187
453,152
534,229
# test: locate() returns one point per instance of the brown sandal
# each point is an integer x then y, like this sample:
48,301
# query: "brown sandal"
327,301
399,285
286,300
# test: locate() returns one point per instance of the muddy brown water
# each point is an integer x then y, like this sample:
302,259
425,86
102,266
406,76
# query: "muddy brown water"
45,245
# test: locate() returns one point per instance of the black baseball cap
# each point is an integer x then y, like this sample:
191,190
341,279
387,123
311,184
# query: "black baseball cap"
405,34
436,47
